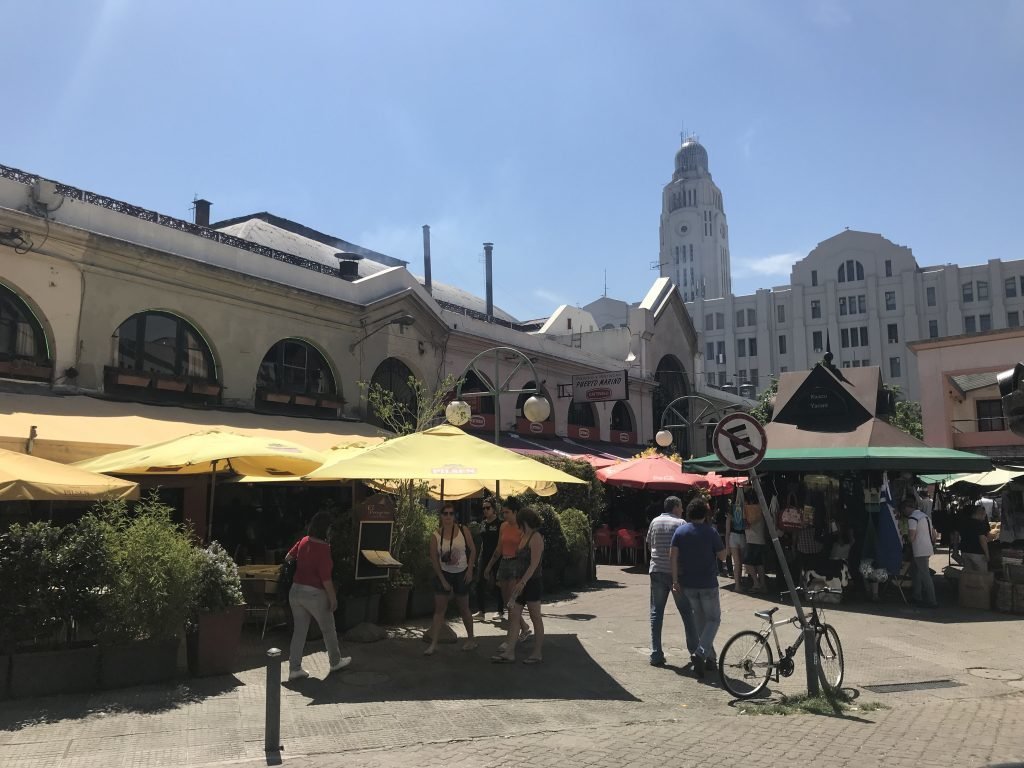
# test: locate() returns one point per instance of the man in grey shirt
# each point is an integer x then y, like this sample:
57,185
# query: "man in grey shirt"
659,541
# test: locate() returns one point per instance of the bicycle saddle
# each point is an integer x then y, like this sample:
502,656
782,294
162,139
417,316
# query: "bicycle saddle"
766,615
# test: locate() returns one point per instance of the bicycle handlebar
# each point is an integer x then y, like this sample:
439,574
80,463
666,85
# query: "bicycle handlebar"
812,592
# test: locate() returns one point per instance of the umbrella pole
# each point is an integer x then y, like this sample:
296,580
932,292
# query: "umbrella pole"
209,513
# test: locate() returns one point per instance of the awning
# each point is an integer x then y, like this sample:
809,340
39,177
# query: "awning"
72,428
598,454
909,459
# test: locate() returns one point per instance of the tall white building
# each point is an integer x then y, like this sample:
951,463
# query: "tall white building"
694,232
864,296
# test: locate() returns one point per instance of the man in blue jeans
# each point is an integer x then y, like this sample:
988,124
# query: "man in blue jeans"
659,541
696,550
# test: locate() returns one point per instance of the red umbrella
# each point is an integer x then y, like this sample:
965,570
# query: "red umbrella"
653,473
723,486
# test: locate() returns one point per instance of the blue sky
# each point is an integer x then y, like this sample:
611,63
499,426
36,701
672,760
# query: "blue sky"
547,127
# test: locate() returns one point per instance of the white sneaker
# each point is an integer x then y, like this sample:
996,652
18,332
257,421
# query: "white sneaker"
297,674
343,662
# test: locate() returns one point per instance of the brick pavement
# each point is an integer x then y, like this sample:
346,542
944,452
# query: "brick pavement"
594,701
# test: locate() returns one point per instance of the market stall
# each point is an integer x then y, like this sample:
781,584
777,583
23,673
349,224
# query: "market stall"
835,471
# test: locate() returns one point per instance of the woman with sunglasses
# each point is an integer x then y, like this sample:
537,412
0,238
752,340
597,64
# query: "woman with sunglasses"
452,553
505,557
527,590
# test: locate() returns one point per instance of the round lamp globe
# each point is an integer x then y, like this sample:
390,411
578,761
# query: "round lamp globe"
457,412
536,409
663,438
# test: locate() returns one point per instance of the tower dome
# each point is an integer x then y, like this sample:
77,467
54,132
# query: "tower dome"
691,156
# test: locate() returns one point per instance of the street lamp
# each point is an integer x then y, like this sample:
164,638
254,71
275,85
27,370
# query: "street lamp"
536,408
677,416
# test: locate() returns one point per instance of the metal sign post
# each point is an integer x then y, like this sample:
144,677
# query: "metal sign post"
740,443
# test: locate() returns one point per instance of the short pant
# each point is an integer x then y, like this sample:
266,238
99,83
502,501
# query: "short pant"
507,569
737,540
531,592
460,587
755,554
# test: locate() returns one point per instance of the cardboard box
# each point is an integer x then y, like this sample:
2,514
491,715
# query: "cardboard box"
976,589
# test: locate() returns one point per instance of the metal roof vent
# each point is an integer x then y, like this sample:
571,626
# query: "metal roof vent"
348,265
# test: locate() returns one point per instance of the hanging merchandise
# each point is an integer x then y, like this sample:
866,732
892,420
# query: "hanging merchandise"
792,516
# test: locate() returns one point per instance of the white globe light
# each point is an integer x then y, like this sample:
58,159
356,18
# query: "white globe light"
536,409
663,438
457,412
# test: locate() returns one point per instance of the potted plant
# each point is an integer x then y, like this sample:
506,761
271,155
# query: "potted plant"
217,613
576,528
151,591
395,603
51,578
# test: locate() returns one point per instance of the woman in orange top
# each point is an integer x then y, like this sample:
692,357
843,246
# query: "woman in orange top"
505,557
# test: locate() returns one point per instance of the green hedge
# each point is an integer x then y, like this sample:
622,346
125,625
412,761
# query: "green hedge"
588,497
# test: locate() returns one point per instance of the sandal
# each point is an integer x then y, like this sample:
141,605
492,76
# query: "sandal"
469,645
499,659
532,660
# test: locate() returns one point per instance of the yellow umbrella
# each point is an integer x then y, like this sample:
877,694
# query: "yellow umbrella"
444,453
29,478
201,452
458,489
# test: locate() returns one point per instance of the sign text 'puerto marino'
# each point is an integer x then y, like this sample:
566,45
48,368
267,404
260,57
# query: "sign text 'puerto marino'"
600,387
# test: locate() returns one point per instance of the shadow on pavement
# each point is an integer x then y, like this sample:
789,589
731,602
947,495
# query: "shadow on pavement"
143,700
768,697
397,670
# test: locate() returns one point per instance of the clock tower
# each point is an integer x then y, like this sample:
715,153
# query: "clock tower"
694,231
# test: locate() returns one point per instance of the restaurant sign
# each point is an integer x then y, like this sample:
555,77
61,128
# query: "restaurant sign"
600,387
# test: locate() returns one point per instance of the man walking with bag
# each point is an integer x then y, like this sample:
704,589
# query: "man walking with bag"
659,541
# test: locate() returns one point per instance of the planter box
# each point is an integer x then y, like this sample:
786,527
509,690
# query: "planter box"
171,385
131,380
16,369
149,661
421,602
203,388
395,605
276,397
305,400
330,404
42,673
213,646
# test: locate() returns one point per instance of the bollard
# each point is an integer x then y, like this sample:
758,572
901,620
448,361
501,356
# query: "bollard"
272,728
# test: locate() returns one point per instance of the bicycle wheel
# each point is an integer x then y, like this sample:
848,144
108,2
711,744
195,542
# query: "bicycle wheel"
830,657
745,664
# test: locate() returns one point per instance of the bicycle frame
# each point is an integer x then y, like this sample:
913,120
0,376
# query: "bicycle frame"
790,652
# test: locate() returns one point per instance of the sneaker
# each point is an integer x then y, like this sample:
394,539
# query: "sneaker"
478,615
297,674
698,666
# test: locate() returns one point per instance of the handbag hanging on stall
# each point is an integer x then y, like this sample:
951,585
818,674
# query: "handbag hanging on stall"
792,516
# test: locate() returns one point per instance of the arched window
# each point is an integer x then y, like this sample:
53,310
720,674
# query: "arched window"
480,403
582,414
163,344
850,271
23,350
394,376
295,377
622,421
672,383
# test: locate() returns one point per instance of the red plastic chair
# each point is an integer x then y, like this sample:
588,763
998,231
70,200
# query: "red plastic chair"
603,542
629,541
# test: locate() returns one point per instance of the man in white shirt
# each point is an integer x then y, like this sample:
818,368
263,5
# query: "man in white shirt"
659,540
919,530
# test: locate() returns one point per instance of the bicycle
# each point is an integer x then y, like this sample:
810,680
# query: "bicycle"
747,662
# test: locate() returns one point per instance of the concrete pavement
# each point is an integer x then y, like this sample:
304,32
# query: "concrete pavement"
958,700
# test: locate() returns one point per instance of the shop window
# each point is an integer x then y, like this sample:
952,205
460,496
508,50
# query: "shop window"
930,295
890,301
970,326
893,333
990,416
933,329
23,349
582,414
